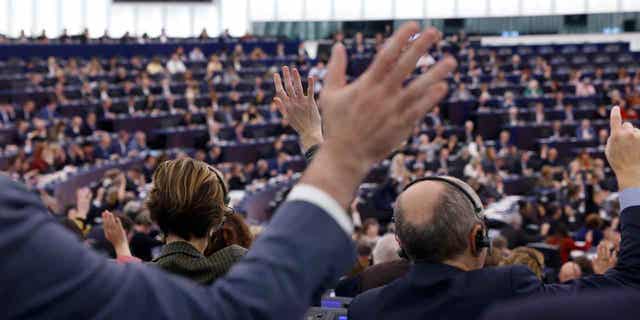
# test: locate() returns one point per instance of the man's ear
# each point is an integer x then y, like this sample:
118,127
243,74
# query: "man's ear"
398,240
473,244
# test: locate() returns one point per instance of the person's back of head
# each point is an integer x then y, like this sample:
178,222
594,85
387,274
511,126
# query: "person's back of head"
438,222
386,249
187,199
528,257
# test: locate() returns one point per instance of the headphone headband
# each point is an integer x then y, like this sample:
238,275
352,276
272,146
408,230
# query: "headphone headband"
461,186
225,191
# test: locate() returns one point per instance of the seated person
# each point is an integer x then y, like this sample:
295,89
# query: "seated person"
188,217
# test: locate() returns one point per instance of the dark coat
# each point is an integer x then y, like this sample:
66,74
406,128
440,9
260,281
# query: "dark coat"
183,259
46,273
440,291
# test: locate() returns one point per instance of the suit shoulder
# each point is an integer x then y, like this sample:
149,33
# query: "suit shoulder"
15,194
363,303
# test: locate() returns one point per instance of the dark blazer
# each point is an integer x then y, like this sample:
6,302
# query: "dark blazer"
183,259
598,305
46,273
374,276
439,291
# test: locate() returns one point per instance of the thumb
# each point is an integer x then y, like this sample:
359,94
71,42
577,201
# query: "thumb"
337,68
615,120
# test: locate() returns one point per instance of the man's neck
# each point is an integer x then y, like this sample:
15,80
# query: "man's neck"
460,264
199,243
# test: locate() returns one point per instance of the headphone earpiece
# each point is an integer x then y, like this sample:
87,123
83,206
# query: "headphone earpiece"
482,239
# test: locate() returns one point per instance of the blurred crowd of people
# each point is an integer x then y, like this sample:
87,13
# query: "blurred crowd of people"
570,200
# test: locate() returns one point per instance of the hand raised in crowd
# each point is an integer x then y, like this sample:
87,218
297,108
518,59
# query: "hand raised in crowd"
299,109
622,151
83,202
370,117
606,257
115,233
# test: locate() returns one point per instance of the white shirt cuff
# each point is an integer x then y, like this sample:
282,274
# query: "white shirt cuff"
629,197
319,198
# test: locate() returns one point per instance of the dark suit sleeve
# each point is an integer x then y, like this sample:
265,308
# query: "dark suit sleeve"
625,274
47,274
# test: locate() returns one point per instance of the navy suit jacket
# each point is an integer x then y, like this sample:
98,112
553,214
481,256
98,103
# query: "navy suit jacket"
599,305
439,291
45,273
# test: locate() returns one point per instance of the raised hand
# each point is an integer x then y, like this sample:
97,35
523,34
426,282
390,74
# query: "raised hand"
368,118
606,258
83,202
373,115
299,109
622,151
115,233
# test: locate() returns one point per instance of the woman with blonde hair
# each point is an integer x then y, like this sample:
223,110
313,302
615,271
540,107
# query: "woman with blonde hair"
528,257
189,202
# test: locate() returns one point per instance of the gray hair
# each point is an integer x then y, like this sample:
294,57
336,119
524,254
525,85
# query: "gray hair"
446,235
386,249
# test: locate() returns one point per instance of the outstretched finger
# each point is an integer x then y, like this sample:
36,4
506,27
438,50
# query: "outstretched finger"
408,60
280,106
337,68
602,248
119,224
311,84
277,81
431,97
286,74
297,83
615,120
390,53
437,73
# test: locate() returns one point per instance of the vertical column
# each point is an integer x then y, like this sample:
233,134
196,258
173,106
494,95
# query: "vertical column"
165,15
219,11
34,15
136,13
248,12
61,22
108,13
456,8
192,20
333,10
84,15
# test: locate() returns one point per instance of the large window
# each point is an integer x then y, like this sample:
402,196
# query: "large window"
122,19
263,10
47,17
149,19
98,13
72,15
206,17
178,21
21,17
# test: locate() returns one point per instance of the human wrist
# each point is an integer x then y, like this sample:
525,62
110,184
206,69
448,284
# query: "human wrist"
628,179
310,139
122,249
337,172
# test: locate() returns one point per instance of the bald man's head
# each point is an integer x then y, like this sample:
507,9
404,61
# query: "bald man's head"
434,220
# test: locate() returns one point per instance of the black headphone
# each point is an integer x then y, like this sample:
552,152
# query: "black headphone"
225,191
482,239
226,198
